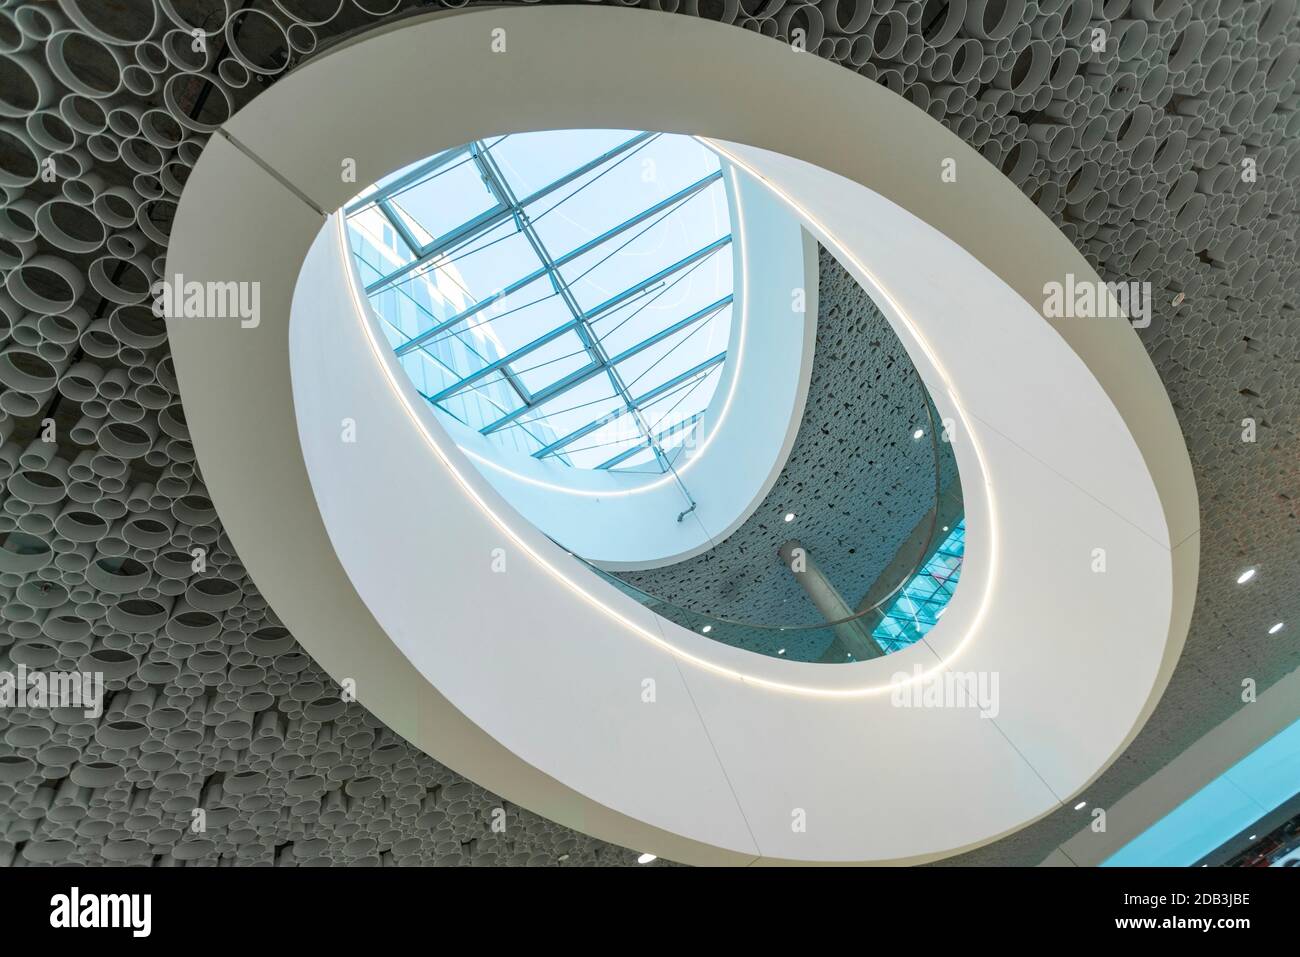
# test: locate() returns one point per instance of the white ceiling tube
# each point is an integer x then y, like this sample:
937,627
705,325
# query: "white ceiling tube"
532,681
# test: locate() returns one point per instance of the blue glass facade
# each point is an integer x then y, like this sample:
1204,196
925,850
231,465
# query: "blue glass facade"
920,604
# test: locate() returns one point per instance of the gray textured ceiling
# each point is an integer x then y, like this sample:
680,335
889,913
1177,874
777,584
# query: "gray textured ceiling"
856,480
1135,153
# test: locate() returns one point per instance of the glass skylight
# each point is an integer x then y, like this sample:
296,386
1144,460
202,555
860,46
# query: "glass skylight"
566,293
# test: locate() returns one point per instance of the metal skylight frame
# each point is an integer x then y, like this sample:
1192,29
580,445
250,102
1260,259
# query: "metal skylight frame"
507,208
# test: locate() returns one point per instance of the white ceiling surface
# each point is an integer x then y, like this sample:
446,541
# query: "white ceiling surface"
561,689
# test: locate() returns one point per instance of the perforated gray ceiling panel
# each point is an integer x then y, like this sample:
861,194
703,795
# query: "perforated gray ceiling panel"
856,480
1137,153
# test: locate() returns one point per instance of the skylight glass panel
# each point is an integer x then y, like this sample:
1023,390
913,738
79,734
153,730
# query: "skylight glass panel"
377,244
434,287
639,181
668,358
692,306
593,453
679,399
426,372
588,402
519,319
553,362
446,200
532,161
561,291
679,431
490,264
656,262
485,401
616,433
642,459
420,169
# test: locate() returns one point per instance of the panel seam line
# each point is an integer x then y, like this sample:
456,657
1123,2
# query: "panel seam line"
717,757
273,172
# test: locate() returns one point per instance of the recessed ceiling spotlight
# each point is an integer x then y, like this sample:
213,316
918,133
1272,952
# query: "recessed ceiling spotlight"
945,528
789,516
1081,805
564,857
781,652
706,629
1276,628
1245,576
646,858
918,433
1253,836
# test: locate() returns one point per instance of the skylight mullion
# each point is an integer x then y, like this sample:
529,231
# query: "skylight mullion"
641,217
420,174
621,387
585,168
659,437
654,393
504,194
399,227
578,433
434,162
501,189
571,381
521,390
622,456
662,274
593,342
675,328
650,211
483,222
560,262
681,377
577,378
509,360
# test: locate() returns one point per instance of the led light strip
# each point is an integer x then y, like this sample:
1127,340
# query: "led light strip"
387,363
